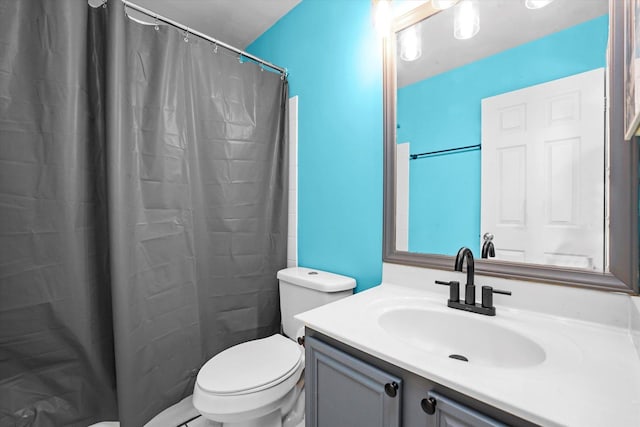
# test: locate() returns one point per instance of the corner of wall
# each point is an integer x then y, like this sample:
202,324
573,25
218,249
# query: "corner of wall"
292,241
634,322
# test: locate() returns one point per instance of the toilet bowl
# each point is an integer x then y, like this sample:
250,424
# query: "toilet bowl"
251,383
259,383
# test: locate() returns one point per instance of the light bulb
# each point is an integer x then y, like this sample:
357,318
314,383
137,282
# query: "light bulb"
410,44
442,4
466,19
536,4
383,17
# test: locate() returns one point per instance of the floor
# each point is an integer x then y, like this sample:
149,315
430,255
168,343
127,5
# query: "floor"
182,414
179,415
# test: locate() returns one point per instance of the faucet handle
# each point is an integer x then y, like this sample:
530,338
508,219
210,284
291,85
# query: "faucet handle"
487,295
454,289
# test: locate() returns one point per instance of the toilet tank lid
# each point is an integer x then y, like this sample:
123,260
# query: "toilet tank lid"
319,280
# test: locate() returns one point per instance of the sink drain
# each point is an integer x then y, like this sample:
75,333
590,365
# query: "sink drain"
458,357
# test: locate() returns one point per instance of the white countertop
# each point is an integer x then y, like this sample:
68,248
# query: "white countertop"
590,376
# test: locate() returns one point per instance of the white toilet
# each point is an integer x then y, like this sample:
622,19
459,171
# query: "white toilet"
258,383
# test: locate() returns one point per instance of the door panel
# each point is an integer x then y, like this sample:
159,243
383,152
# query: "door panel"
449,413
543,172
344,391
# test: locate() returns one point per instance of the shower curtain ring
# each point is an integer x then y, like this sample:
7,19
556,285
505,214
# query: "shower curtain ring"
215,48
104,4
157,26
186,36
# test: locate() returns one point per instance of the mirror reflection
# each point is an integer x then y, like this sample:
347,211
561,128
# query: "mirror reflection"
501,132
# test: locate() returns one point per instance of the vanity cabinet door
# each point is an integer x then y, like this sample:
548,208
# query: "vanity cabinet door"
344,391
449,413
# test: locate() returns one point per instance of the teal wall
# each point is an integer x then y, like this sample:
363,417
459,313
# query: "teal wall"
335,63
444,112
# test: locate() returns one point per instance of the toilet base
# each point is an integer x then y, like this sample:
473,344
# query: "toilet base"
273,419
255,423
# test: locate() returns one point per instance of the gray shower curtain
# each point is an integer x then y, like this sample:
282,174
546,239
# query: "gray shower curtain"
143,211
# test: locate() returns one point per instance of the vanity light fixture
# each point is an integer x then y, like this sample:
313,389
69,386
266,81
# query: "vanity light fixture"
443,4
536,4
466,19
410,44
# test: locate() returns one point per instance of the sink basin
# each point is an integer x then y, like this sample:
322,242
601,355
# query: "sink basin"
460,337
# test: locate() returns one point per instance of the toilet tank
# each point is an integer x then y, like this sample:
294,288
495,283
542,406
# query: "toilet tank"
302,289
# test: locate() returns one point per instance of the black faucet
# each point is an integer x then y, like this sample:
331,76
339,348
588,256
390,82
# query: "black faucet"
488,249
469,288
469,304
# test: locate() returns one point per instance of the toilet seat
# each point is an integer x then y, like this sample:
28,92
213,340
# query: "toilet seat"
251,366
249,380
242,407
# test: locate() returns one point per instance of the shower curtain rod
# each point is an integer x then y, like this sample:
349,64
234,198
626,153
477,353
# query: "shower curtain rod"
241,52
447,151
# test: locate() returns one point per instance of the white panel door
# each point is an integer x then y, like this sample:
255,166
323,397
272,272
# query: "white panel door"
543,172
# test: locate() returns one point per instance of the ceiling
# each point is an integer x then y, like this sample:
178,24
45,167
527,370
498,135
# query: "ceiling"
235,22
504,24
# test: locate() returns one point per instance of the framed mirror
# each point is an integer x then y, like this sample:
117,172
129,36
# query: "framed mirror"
504,133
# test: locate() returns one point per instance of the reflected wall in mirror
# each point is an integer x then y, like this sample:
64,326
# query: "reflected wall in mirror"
503,134
508,133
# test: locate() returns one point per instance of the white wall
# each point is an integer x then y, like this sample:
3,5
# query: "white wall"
292,241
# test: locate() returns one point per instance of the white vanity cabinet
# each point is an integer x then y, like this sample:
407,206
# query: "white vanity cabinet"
346,387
